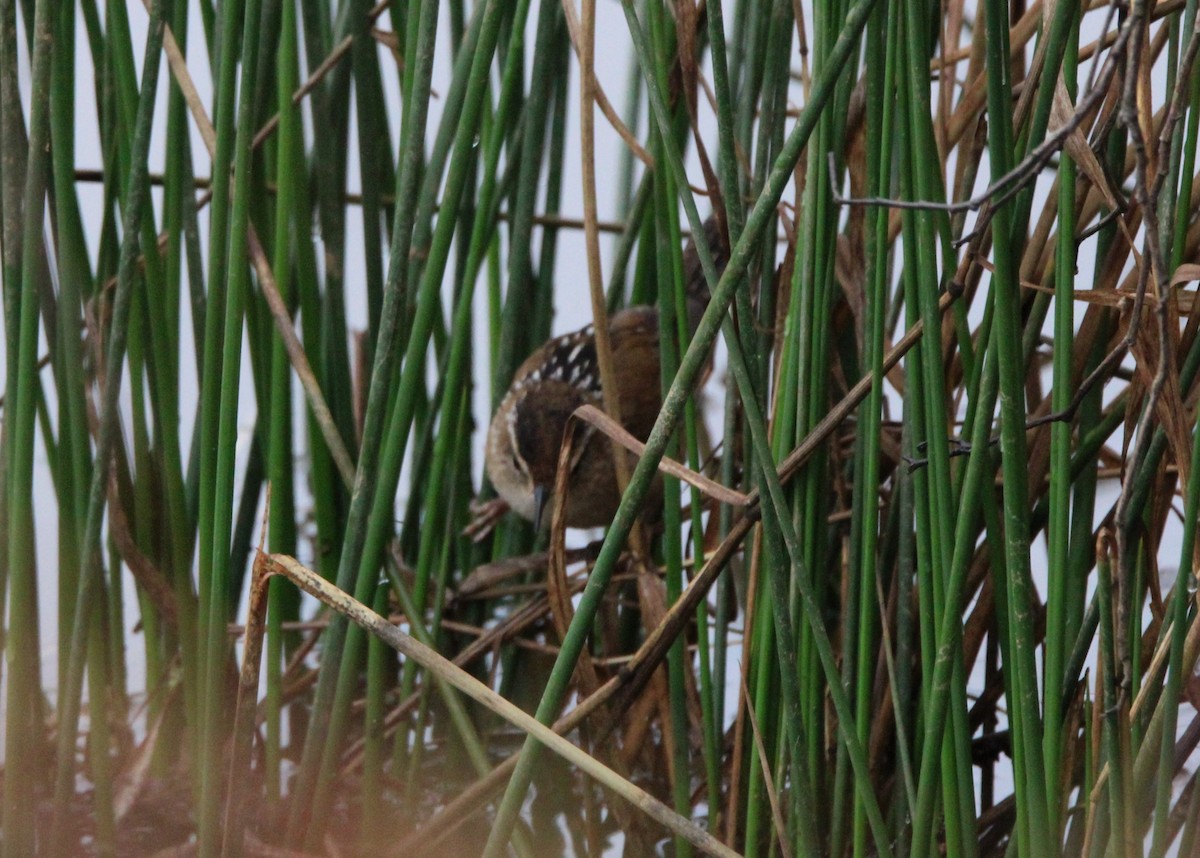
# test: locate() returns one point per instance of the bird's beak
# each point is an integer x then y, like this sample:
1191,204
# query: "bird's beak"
541,494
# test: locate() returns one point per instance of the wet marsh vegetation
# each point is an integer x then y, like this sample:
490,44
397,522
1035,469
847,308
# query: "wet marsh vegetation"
921,579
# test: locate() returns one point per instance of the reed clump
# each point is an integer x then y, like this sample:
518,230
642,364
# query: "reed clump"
921,579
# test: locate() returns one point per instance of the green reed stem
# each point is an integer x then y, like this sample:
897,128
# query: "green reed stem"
91,575
23,730
1027,745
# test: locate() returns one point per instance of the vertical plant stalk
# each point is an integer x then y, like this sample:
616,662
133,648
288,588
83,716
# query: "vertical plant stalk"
283,530
587,136
727,173
216,575
12,177
670,288
23,691
1059,531
91,571
880,74
74,276
1115,710
1027,727
213,539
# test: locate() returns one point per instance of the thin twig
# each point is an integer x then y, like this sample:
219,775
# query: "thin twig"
620,435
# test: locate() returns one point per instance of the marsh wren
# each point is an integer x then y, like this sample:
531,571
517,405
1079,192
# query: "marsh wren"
526,432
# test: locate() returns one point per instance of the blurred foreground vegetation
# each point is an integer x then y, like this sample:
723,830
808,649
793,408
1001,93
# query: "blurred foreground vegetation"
952,612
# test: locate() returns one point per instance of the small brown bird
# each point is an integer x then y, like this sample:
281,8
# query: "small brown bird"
527,430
